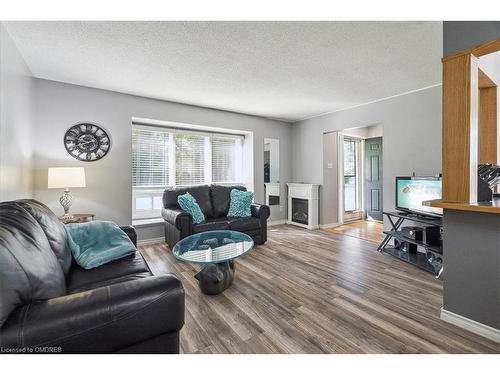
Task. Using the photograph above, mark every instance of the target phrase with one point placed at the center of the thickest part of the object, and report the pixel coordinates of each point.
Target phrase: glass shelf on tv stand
(419, 218)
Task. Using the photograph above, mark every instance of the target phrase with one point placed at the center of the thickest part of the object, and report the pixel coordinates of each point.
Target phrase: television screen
(412, 191)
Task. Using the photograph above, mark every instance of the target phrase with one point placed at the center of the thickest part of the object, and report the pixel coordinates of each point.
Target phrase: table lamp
(65, 178)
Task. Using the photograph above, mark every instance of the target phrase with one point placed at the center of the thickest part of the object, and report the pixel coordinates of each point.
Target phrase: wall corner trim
(470, 325)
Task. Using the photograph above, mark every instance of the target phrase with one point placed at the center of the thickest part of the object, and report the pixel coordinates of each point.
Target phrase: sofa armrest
(131, 233)
(182, 220)
(101, 320)
(261, 211)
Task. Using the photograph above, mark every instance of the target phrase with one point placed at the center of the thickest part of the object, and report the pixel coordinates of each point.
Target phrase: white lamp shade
(72, 177)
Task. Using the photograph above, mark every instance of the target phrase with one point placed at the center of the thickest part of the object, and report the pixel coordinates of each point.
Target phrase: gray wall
(16, 115)
(471, 240)
(460, 35)
(109, 181)
(471, 266)
(330, 191)
(411, 142)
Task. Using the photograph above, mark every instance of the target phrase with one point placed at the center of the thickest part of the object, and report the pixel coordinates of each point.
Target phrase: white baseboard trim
(471, 325)
(329, 225)
(309, 227)
(147, 222)
(276, 222)
(149, 241)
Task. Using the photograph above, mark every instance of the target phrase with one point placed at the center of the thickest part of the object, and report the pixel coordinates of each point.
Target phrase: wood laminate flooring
(364, 229)
(316, 292)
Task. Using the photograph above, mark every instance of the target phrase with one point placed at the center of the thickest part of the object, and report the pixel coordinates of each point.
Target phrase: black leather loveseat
(214, 203)
(51, 305)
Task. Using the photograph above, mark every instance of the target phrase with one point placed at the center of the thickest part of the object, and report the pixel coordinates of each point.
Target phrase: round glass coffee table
(216, 251)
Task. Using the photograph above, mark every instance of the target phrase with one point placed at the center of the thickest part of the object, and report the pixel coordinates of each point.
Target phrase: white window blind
(190, 155)
(167, 157)
(226, 158)
(150, 157)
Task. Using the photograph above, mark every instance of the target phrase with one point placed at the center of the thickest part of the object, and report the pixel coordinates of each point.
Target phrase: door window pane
(349, 158)
(350, 175)
(350, 193)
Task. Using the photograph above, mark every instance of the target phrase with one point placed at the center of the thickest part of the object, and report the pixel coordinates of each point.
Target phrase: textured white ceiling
(284, 70)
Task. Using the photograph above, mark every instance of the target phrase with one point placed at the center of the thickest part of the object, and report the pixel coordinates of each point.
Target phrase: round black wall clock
(87, 142)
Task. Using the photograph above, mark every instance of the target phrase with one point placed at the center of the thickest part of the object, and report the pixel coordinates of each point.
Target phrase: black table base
(215, 278)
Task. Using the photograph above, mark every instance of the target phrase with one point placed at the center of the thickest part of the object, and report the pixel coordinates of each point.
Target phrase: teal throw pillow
(241, 202)
(96, 243)
(189, 204)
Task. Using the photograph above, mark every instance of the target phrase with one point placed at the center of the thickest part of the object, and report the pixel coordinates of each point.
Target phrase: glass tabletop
(216, 246)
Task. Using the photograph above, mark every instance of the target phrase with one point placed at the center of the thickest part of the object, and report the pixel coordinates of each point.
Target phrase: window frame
(153, 191)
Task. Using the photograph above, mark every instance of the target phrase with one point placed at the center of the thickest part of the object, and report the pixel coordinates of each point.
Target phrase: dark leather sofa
(51, 305)
(214, 203)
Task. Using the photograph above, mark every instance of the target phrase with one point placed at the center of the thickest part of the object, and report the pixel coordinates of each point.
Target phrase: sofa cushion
(53, 228)
(200, 193)
(244, 224)
(240, 204)
(188, 203)
(221, 196)
(98, 242)
(82, 279)
(211, 224)
(29, 268)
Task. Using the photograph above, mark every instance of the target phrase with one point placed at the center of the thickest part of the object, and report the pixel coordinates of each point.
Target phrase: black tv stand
(412, 215)
(419, 259)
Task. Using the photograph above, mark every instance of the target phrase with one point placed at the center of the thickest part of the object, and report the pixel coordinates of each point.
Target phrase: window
(190, 159)
(163, 157)
(352, 179)
(150, 150)
(226, 158)
(350, 172)
(351, 175)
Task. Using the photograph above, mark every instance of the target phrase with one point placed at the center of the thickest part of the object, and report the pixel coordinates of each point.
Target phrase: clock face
(87, 142)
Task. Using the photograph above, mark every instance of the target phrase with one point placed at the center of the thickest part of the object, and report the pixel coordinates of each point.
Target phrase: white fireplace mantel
(304, 193)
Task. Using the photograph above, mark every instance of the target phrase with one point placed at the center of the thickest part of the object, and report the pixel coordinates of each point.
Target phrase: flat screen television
(412, 191)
